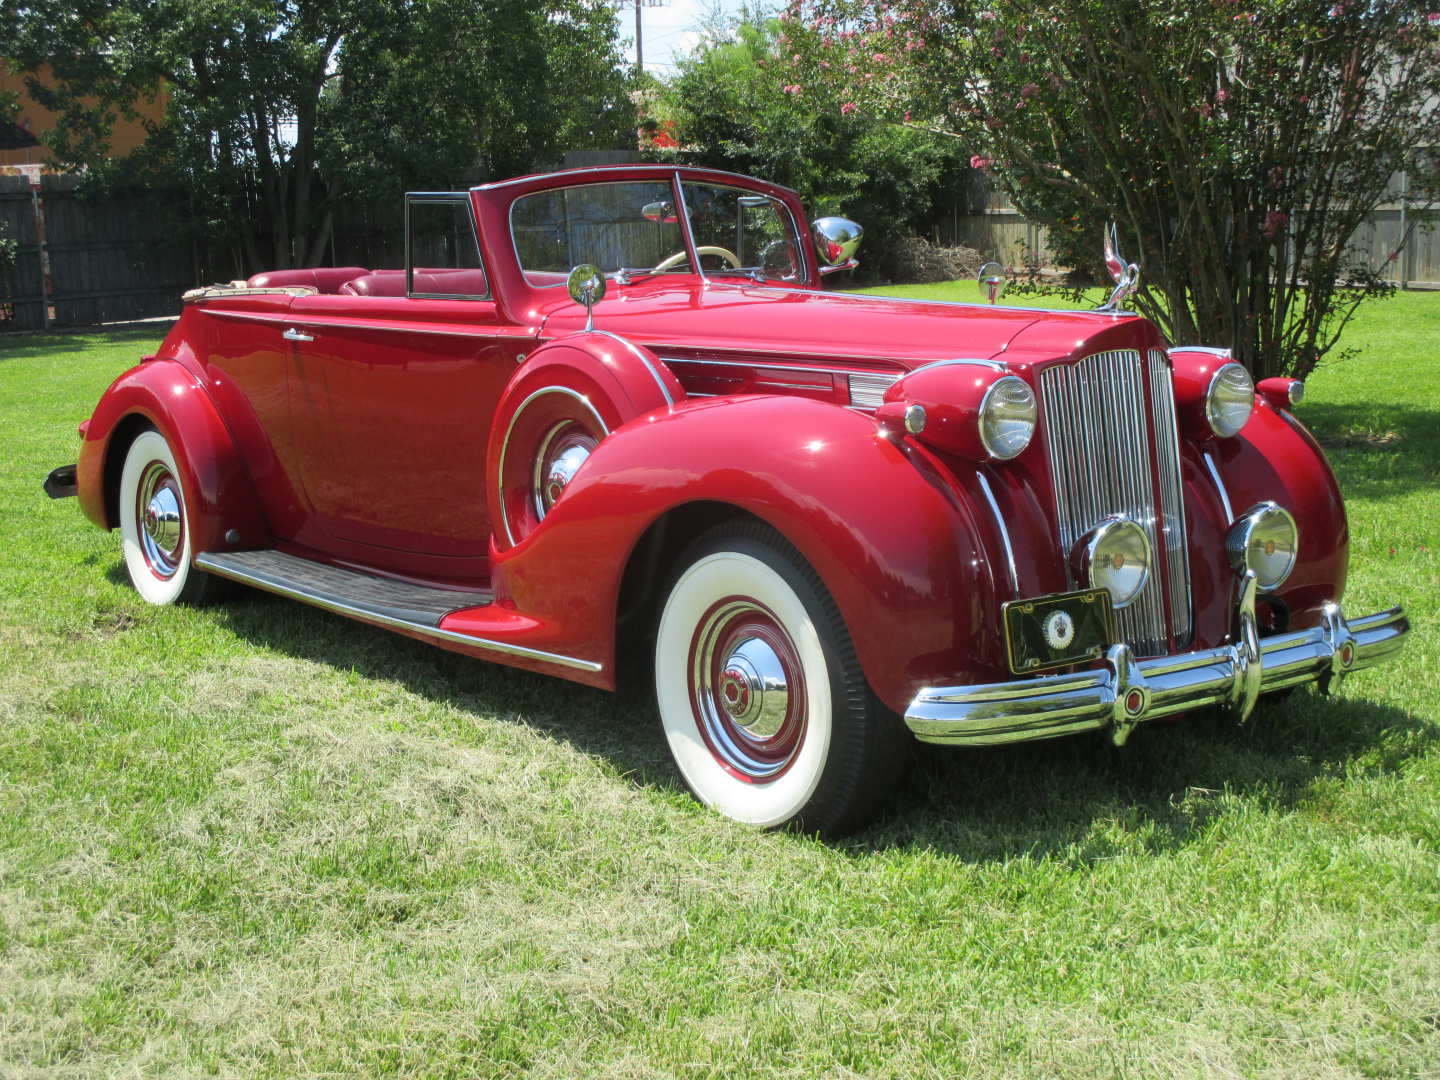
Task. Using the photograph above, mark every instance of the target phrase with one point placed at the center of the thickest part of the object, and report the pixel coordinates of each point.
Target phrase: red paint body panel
(367, 431)
(167, 397)
(896, 544)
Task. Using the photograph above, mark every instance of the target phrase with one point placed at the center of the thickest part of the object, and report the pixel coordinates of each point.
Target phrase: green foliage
(276, 110)
(495, 90)
(262, 840)
(735, 107)
(1240, 144)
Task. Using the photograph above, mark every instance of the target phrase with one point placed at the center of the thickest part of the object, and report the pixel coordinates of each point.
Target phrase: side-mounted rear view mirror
(836, 239)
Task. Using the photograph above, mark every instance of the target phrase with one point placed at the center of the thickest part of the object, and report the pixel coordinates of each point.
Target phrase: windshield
(634, 227)
(739, 231)
(624, 226)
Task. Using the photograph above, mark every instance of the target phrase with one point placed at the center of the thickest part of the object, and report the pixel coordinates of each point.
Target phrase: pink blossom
(792, 88)
(1433, 18)
(1221, 95)
(847, 108)
(987, 15)
(1275, 222)
(907, 116)
(795, 59)
(1029, 90)
(977, 161)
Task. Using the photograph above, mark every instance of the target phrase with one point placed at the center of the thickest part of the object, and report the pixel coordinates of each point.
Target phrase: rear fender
(165, 395)
(892, 538)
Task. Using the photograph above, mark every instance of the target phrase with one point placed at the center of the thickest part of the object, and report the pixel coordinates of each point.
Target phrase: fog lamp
(1264, 540)
(1115, 555)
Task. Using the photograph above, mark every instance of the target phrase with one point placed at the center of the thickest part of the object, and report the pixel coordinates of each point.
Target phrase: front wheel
(767, 713)
(155, 530)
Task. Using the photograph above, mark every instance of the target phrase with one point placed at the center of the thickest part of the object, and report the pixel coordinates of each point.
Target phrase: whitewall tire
(764, 706)
(155, 525)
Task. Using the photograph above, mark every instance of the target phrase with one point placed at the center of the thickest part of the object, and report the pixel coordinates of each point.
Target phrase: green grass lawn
(262, 841)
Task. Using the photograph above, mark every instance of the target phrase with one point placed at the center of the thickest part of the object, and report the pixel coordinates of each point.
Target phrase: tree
(734, 106)
(276, 109)
(1240, 144)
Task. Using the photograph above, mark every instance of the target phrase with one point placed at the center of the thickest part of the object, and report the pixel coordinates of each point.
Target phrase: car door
(392, 397)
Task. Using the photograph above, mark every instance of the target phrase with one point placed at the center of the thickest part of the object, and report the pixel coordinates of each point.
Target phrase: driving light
(1264, 540)
(1115, 555)
(1229, 399)
(1007, 417)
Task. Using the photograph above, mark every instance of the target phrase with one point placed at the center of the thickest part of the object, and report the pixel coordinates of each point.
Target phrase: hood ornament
(1125, 275)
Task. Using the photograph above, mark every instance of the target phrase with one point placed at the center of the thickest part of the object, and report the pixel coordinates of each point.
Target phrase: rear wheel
(764, 705)
(155, 526)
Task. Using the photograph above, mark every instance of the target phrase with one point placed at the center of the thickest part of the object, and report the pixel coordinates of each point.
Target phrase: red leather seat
(392, 283)
(376, 283)
(325, 279)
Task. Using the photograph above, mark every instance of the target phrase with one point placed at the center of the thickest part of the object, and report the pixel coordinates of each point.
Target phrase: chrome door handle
(296, 335)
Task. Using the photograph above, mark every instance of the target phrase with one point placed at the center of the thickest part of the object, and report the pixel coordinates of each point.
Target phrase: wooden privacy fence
(102, 260)
(1005, 234)
(130, 256)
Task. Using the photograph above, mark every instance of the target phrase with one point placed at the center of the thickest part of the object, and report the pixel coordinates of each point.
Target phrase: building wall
(125, 135)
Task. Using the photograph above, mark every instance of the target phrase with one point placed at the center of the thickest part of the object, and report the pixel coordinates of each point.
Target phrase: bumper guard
(1127, 692)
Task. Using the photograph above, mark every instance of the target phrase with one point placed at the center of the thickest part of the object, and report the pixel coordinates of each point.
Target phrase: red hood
(727, 318)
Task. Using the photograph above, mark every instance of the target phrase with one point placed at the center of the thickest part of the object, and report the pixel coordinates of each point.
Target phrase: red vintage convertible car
(609, 409)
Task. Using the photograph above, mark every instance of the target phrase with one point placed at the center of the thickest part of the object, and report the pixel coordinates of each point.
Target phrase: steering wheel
(709, 249)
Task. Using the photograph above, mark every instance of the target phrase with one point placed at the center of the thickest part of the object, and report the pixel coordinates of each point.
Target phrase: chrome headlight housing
(1115, 555)
(1264, 539)
(1229, 399)
(1007, 417)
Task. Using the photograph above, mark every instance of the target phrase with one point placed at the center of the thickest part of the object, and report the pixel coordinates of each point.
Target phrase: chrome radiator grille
(1100, 450)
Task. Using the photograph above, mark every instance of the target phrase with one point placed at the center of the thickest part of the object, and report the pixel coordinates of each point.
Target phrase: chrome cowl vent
(1101, 449)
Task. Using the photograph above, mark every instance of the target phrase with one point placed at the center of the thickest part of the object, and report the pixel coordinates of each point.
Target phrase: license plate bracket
(1058, 630)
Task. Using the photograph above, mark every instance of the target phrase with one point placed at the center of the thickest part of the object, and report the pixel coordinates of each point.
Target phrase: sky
(669, 30)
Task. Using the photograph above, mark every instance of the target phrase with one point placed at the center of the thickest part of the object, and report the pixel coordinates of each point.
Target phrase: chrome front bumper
(1127, 692)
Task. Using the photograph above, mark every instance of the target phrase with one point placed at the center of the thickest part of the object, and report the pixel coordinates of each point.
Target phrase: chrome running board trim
(370, 598)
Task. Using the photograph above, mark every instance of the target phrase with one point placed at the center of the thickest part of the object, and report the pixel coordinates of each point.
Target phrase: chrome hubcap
(563, 451)
(747, 690)
(161, 519)
(753, 688)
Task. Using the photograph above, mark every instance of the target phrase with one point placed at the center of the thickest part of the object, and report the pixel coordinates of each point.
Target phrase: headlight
(1229, 399)
(1115, 555)
(1264, 540)
(1007, 417)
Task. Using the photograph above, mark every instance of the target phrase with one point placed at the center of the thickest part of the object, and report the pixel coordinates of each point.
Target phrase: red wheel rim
(747, 690)
(160, 520)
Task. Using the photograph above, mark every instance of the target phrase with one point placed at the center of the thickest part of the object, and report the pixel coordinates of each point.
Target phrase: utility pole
(639, 35)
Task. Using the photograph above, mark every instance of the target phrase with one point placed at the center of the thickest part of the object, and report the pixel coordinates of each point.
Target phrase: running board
(398, 605)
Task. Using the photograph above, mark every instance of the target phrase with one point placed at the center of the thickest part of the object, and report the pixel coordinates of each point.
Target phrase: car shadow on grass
(1378, 451)
(1075, 799)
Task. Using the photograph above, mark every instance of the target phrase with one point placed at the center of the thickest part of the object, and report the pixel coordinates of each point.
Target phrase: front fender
(165, 395)
(892, 538)
(1275, 457)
